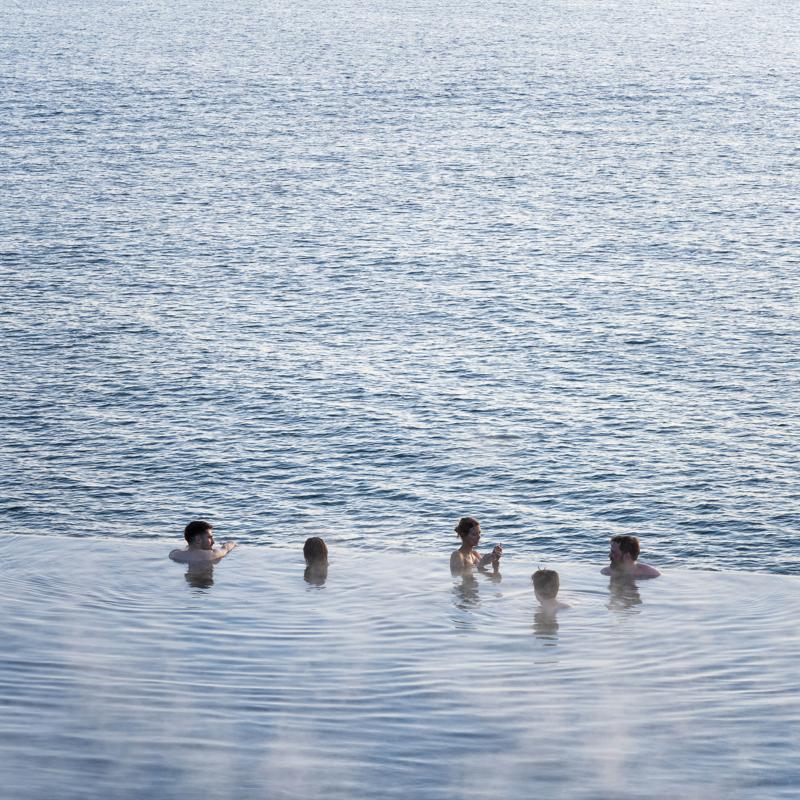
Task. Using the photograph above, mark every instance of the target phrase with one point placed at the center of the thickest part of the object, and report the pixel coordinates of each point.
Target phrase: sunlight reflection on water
(305, 266)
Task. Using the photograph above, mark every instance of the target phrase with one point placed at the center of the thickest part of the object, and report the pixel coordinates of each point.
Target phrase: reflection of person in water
(623, 593)
(315, 552)
(467, 591)
(545, 586)
(469, 529)
(545, 625)
(200, 576)
(494, 576)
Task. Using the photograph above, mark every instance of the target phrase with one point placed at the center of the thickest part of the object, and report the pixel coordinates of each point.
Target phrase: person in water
(545, 587)
(200, 545)
(624, 553)
(469, 529)
(315, 552)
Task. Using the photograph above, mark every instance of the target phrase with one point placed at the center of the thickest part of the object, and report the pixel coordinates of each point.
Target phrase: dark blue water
(358, 271)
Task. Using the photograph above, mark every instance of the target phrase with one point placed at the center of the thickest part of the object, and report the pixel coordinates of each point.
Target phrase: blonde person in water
(545, 587)
(469, 529)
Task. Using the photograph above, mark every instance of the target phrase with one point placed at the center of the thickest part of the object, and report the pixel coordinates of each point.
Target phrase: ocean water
(123, 676)
(357, 270)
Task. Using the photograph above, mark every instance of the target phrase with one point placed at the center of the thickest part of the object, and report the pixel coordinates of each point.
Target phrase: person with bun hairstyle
(469, 529)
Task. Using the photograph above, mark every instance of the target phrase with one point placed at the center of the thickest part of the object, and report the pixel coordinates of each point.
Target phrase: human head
(315, 551)
(545, 583)
(626, 545)
(466, 525)
(196, 528)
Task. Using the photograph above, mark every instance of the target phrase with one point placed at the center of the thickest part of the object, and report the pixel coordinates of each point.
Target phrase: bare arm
(202, 556)
(221, 552)
(493, 557)
(456, 562)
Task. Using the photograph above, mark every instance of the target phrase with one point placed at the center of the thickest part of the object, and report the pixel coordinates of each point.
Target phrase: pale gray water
(119, 678)
(359, 269)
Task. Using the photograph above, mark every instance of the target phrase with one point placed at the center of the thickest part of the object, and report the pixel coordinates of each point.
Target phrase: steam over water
(355, 270)
(122, 676)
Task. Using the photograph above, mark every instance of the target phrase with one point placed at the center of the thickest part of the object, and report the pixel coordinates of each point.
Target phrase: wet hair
(545, 583)
(465, 525)
(315, 551)
(628, 545)
(316, 574)
(196, 528)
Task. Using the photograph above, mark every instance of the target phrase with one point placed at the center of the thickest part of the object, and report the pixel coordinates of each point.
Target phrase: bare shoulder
(646, 571)
(456, 561)
(195, 556)
(605, 571)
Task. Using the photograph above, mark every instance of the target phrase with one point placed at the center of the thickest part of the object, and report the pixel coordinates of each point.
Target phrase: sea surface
(126, 676)
(358, 269)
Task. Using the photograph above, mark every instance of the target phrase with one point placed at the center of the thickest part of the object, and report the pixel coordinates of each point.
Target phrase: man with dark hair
(200, 545)
(624, 553)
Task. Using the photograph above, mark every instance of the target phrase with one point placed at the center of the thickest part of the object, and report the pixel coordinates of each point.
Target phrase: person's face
(204, 541)
(615, 554)
(474, 536)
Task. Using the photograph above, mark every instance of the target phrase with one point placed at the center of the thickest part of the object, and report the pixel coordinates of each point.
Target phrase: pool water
(125, 675)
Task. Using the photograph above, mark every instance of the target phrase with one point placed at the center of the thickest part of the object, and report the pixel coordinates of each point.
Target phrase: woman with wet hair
(315, 552)
(469, 529)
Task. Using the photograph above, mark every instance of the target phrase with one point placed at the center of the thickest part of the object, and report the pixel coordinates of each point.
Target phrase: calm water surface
(358, 270)
(123, 677)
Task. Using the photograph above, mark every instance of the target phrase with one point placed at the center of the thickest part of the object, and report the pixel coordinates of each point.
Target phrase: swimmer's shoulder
(459, 562)
(195, 556)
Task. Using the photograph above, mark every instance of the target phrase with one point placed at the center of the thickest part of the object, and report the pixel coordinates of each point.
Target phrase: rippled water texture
(359, 269)
(123, 677)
